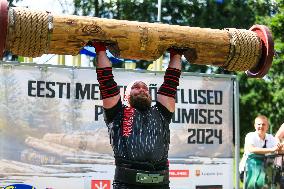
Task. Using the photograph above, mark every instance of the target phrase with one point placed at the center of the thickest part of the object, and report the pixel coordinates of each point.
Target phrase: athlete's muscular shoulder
(164, 111)
(111, 113)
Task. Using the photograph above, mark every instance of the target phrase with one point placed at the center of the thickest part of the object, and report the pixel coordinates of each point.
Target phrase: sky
(54, 6)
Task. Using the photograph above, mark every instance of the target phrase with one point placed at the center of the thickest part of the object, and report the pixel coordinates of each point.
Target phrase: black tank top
(141, 136)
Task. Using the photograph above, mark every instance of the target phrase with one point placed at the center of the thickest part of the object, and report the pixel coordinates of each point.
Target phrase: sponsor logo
(179, 173)
(127, 122)
(209, 187)
(100, 184)
(198, 173)
(19, 186)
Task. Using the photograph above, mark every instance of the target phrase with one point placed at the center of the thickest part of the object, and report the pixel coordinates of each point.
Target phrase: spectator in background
(279, 159)
(257, 144)
(280, 134)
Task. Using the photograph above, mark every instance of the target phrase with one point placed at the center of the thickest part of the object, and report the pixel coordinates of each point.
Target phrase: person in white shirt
(258, 142)
(280, 134)
(279, 160)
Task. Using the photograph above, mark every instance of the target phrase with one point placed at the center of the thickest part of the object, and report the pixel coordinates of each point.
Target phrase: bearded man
(139, 133)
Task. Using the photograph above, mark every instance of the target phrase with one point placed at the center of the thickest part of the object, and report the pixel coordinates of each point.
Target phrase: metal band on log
(33, 33)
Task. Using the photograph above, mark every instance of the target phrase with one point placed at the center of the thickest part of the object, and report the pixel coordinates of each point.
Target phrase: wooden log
(32, 33)
(18, 168)
(36, 158)
(137, 40)
(83, 141)
(56, 149)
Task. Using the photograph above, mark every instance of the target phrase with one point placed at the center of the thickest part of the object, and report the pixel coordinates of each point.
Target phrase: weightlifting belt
(141, 177)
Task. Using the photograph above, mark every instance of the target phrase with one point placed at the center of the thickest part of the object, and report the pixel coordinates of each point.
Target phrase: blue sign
(89, 51)
(19, 186)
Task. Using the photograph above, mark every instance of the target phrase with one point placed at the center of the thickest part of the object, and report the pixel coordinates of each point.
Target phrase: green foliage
(277, 21)
(208, 13)
(275, 75)
(120, 9)
(226, 14)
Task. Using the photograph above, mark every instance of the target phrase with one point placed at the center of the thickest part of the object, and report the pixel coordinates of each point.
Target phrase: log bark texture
(56, 149)
(97, 141)
(33, 33)
(138, 40)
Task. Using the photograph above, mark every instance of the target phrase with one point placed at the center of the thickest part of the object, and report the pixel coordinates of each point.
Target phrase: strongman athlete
(139, 133)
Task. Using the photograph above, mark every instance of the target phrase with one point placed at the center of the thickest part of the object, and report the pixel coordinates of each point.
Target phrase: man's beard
(141, 102)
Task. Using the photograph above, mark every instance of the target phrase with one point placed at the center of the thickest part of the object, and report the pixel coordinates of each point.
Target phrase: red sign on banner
(100, 184)
(179, 173)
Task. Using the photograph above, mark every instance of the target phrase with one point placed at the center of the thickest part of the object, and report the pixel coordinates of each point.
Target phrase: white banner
(51, 116)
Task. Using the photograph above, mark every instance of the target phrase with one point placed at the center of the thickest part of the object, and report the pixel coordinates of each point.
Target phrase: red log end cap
(3, 25)
(267, 53)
